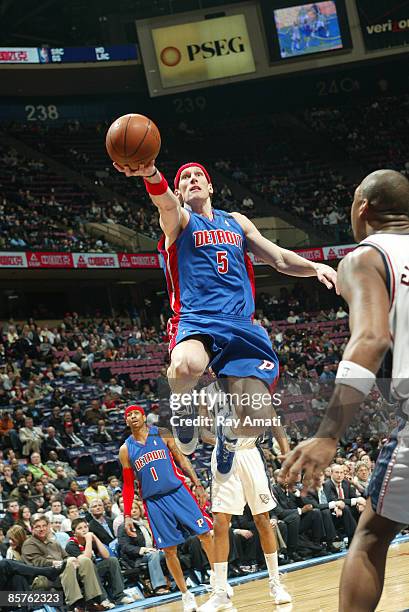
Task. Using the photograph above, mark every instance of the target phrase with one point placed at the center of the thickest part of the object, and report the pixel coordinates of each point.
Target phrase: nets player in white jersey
(374, 280)
(245, 483)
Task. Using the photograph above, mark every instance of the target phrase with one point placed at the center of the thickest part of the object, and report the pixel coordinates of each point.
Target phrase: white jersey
(394, 249)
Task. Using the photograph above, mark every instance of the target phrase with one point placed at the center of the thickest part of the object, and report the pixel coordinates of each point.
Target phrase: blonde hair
(17, 532)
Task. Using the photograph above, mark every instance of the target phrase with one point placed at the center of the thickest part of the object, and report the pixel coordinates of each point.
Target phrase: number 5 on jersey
(222, 262)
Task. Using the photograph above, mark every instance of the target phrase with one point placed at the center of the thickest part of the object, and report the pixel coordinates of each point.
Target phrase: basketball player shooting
(374, 280)
(211, 288)
(150, 454)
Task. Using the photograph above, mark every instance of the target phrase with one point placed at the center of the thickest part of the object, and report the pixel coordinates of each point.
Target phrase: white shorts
(246, 483)
(389, 485)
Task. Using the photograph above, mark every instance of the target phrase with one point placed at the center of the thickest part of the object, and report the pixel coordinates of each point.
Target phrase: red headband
(189, 165)
(129, 409)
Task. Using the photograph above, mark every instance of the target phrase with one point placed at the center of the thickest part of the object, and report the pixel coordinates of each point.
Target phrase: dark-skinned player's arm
(128, 489)
(362, 281)
(184, 464)
(280, 435)
(284, 261)
(173, 218)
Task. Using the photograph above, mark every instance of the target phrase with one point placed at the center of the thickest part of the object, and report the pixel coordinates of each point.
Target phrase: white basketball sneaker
(217, 602)
(229, 588)
(278, 592)
(189, 602)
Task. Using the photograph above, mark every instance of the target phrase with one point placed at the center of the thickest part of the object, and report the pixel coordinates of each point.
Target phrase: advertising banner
(37, 260)
(132, 260)
(9, 259)
(337, 252)
(49, 260)
(19, 55)
(203, 50)
(95, 260)
(65, 55)
(384, 23)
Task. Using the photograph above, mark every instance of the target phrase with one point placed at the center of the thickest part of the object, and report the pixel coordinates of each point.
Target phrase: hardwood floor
(315, 589)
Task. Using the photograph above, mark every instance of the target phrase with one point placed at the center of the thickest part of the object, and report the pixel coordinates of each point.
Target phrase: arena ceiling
(83, 22)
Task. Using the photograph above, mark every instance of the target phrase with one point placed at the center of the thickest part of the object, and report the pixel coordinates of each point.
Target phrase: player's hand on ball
(327, 276)
(129, 527)
(140, 170)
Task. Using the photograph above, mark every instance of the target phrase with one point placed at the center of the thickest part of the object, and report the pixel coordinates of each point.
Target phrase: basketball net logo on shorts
(264, 498)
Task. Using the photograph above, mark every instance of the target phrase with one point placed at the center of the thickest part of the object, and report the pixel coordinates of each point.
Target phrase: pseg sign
(203, 50)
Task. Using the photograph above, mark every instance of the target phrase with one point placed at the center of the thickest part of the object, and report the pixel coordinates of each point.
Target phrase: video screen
(308, 28)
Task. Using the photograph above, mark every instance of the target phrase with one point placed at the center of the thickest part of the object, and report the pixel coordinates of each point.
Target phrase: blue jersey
(208, 270)
(153, 465)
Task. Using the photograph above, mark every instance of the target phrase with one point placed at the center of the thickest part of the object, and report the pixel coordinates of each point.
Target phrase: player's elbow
(282, 266)
(371, 344)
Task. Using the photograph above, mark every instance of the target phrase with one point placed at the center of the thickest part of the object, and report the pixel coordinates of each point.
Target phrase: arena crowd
(62, 394)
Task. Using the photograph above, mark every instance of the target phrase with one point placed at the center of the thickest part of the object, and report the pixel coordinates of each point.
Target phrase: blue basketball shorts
(174, 517)
(238, 346)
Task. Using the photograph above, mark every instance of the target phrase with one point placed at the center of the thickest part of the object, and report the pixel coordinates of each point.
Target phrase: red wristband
(157, 189)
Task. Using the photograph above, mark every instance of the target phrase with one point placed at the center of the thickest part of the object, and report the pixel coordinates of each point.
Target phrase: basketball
(133, 140)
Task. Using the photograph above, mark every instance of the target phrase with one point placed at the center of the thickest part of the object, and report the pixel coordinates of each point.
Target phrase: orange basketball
(133, 140)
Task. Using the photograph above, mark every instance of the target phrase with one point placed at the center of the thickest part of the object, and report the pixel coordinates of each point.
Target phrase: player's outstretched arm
(283, 260)
(184, 463)
(362, 281)
(128, 489)
(363, 285)
(173, 217)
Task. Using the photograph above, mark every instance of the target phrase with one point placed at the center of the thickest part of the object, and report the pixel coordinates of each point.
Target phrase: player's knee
(262, 521)
(221, 525)
(185, 366)
(171, 552)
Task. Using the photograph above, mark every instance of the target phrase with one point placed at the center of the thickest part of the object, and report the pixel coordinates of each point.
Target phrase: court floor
(315, 589)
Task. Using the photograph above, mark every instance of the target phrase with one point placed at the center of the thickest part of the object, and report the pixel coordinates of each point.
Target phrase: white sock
(272, 565)
(220, 572)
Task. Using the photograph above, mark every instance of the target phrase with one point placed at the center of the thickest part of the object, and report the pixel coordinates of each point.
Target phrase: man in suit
(53, 442)
(298, 516)
(99, 523)
(332, 513)
(338, 488)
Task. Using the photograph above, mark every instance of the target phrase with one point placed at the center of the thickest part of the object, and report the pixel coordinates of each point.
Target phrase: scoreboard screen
(296, 29)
